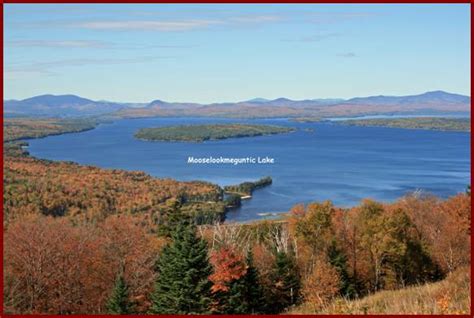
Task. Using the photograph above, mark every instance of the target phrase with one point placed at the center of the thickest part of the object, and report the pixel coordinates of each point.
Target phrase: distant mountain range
(59, 105)
(298, 103)
(71, 105)
(434, 97)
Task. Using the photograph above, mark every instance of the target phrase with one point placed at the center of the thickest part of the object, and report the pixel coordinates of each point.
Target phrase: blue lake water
(334, 162)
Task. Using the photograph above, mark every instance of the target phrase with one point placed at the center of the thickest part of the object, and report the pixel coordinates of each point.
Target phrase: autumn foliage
(228, 266)
(88, 193)
(321, 285)
(54, 266)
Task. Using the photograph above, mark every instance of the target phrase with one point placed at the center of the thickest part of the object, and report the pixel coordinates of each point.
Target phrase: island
(431, 123)
(200, 133)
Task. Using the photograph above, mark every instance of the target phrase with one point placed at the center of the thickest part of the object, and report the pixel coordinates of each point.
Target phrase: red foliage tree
(228, 266)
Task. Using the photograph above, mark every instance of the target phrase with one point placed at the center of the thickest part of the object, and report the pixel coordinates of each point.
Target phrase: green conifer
(286, 283)
(182, 286)
(339, 260)
(245, 295)
(119, 303)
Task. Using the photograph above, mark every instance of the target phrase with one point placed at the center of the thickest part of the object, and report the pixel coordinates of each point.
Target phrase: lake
(320, 161)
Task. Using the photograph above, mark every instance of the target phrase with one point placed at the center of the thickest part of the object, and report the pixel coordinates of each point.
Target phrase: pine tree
(253, 292)
(170, 216)
(339, 260)
(245, 295)
(118, 303)
(286, 283)
(183, 286)
(230, 301)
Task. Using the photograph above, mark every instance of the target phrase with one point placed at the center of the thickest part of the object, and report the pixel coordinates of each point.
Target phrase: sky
(226, 53)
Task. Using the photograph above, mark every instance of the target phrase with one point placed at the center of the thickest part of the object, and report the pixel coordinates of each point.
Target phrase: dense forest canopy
(198, 133)
(23, 128)
(432, 123)
(15, 130)
(34, 186)
(318, 256)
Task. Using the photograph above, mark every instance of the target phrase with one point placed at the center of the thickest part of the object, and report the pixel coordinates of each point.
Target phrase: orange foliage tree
(228, 266)
(53, 266)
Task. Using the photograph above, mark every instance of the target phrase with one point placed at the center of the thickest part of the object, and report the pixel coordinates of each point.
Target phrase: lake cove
(318, 161)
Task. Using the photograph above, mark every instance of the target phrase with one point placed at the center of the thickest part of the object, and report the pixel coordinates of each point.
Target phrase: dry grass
(450, 296)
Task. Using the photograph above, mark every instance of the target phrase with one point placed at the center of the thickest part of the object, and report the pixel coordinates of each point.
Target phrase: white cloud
(256, 19)
(58, 44)
(72, 44)
(165, 26)
(175, 25)
(333, 17)
(20, 71)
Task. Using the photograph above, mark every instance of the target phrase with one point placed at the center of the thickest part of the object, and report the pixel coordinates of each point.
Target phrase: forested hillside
(317, 256)
(16, 129)
(40, 187)
(85, 240)
(20, 128)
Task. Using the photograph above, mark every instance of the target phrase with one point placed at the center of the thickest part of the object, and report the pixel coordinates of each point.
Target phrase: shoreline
(255, 215)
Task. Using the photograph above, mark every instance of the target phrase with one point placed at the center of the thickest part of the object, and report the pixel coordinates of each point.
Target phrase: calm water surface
(340, 163)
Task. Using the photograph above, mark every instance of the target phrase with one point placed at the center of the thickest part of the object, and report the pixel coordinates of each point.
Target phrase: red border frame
(226, 2)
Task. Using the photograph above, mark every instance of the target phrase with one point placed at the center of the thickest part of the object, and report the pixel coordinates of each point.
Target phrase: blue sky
(219, 53)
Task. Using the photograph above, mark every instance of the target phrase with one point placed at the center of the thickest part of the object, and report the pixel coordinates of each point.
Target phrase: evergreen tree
(245, 295)
(286, 283)
(253, 290)
(170, 216)
(338, 259)
(183, 286)
(118, 303)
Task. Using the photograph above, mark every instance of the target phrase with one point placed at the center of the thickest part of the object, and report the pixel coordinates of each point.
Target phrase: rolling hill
(59, 106)
(435, 102)
(427, 98)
